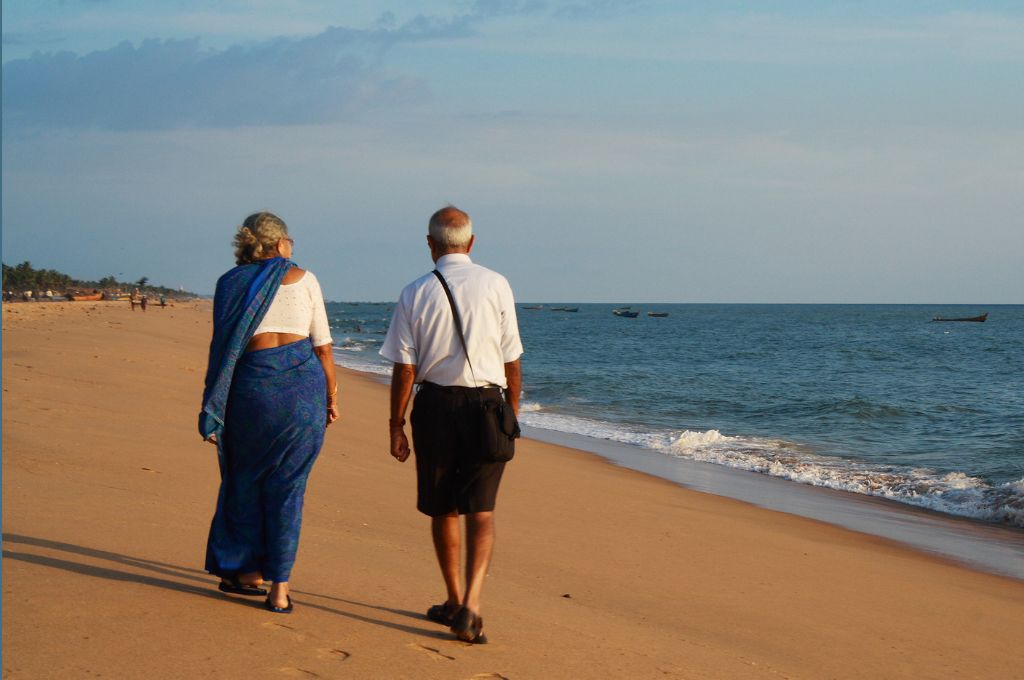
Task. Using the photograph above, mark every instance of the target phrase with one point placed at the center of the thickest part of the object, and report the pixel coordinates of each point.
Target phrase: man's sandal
(443, 613)
(469, 627)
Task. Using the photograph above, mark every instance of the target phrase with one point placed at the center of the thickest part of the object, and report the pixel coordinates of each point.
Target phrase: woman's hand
(212, 439)
(332, 411)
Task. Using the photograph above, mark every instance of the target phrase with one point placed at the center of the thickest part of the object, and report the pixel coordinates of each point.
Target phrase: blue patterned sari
(268, 409)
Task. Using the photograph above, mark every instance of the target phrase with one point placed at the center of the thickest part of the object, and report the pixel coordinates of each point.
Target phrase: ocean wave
(367, 363)
(952, 493)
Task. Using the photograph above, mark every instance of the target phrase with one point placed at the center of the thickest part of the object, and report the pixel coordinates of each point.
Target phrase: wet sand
(599, 572)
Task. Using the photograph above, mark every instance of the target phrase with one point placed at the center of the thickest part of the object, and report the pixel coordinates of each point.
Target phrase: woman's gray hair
(258, 237)
(451, 229)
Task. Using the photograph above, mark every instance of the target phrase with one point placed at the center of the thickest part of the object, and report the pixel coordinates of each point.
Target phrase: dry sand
(599, 572)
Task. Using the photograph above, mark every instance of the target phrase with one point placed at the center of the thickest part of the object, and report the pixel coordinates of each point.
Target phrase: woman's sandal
(271, 607)
(469, 627)
(235, 587)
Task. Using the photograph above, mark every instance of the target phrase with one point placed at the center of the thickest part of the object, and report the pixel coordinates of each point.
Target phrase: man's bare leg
(479, 547)
(445, 531)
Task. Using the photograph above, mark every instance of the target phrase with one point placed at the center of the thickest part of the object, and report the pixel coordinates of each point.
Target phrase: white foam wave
(364, 363)
(953, 493)
(589, 428)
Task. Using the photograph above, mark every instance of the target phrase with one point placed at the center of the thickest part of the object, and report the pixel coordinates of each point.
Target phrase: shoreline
(991, 547)
(599, 571)
(994, 548)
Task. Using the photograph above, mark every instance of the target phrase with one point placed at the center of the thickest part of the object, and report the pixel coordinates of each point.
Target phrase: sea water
(876, 400)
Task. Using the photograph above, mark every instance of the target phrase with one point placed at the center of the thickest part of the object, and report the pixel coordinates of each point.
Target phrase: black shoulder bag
(499, 428)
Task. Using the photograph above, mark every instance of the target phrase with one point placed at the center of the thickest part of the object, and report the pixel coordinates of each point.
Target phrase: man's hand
(514, 378)
(402, 378)
(399, 444)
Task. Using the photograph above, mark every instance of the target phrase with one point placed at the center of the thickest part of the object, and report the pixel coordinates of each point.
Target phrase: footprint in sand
(435, 654)
(284, 627)
(488, 676)
(329, 653)
(299, 672)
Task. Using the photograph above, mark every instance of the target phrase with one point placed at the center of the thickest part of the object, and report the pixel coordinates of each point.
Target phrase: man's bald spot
(449, 217)
(451, 230)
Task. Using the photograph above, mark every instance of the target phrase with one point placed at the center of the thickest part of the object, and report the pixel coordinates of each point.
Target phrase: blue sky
(608, 150)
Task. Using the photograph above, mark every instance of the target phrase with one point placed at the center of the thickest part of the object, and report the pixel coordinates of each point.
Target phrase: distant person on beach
(270, 393)
(163, 300)
(134, 298)
(455, 475)
(142, 301)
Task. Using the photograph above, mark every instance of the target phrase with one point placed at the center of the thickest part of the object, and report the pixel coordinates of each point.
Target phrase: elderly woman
(270, 394)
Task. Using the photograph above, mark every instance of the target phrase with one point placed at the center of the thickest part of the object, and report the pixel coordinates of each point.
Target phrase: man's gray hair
(451, 229)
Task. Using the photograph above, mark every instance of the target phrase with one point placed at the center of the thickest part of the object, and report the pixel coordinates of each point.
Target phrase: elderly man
(453, 476)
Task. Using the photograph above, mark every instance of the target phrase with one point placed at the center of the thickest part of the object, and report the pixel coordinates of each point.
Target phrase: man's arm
(403, 376)
(514, 377)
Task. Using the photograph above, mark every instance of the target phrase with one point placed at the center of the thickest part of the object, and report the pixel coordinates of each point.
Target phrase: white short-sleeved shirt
(298, 308)
(423, 333)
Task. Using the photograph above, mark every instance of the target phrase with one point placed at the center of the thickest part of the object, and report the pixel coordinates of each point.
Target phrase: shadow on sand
(171, 576)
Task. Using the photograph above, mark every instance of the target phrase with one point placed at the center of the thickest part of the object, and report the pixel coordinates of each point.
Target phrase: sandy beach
(599, 572)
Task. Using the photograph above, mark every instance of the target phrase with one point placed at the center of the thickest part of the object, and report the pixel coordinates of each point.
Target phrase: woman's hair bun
(258, 236)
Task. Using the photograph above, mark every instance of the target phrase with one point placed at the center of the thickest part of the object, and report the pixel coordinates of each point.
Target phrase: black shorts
(446, 438)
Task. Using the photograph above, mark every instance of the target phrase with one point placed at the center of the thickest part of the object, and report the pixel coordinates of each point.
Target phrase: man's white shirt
(423, 332)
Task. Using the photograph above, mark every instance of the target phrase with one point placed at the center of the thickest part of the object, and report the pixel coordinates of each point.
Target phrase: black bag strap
(458, 322)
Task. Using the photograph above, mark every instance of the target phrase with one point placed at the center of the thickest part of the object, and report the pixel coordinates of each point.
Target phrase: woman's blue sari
(268, 409)
(241, 300)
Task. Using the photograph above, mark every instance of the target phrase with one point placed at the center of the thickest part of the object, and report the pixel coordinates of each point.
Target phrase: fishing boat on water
(658, 315)
(979, 319)
(625, 313)
(565, 309)
(532, 307)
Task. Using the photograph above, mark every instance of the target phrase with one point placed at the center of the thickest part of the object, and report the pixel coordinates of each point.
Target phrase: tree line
(24, 277)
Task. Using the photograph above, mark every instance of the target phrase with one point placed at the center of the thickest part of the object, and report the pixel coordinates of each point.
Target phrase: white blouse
(298, 308)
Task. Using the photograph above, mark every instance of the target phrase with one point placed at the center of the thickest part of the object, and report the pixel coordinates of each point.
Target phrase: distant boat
(625, 313)
(658, 315)
(565, 309)
(533, 307)
(93, 297)
(979, 319)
